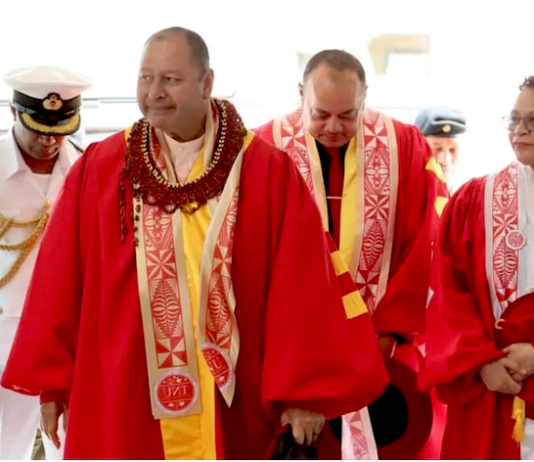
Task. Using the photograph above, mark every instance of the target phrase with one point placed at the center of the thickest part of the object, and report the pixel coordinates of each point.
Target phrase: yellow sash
(369, 198)
(183, 355)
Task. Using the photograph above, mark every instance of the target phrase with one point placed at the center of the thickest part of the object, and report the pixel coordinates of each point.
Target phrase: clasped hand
(506, 374)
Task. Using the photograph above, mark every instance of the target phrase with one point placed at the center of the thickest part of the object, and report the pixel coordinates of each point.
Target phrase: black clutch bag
(284, 447)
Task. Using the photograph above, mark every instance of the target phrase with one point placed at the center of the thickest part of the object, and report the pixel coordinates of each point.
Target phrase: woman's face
(521, 127)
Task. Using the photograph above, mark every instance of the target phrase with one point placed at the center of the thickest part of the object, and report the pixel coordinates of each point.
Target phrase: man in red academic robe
(185, 304)
(380, 193)
(481, 317)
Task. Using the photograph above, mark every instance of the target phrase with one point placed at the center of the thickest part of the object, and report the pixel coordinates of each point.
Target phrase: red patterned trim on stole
(219, 320)
(294, 143)
(356, 447)
(377, 188)
(162, 274)
(504, 225)
(377, 206)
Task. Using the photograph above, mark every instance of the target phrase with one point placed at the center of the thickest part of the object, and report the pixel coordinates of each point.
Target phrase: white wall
(479, 53)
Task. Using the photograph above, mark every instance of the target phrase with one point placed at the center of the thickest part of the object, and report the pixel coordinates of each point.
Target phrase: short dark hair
(337, 59)
(527, 83)
(197, 45)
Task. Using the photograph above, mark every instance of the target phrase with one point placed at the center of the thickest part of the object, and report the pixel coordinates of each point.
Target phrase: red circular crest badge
(176, 393)
(516, 240)
(219, 364)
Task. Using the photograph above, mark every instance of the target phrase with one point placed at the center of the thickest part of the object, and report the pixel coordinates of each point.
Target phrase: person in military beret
(35, 156)
(441, 126)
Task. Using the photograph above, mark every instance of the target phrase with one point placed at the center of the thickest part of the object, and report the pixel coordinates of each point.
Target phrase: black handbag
(284, 447)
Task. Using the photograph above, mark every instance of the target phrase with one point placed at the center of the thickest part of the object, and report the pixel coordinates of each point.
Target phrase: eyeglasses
(513, 121)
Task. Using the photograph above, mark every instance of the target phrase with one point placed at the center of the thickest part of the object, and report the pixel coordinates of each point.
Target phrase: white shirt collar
(15, 162)
(193, 146)
(184, 155)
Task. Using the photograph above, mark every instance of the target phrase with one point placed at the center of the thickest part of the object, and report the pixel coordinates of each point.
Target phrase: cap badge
(52, 102)
(446, 128)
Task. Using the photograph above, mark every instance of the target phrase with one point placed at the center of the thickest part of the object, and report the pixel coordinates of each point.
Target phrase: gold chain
(25, 246)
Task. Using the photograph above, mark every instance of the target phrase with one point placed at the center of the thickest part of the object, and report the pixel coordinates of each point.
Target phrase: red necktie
(335, 191)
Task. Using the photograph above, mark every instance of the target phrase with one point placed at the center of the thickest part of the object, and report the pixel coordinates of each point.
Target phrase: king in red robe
(182, 320)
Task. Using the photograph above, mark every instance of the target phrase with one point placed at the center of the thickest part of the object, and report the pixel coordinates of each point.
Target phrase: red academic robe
(402, 310)
(461, 337)
(81, 329)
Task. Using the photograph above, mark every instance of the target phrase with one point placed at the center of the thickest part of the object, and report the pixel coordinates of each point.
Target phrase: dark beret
(440, 121)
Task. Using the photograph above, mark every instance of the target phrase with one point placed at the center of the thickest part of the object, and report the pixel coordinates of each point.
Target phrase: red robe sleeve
(421, 194)
(315, 364)
(265, 132)
(42, 357)
(458, 343)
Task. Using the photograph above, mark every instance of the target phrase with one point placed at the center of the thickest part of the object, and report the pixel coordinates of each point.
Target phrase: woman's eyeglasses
(512, 122)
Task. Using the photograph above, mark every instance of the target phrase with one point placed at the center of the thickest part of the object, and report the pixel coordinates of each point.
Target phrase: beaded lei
(151, 187)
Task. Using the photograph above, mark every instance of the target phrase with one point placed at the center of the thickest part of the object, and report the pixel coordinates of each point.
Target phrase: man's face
(39, 147)
(332, 102)
(171, 90)
(446, 152)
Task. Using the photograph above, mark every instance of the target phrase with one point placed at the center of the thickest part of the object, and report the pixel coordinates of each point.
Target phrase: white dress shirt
(184, 155)
(23, 195)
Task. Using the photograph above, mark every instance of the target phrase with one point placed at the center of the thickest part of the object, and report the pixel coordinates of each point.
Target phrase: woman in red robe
(481, 317)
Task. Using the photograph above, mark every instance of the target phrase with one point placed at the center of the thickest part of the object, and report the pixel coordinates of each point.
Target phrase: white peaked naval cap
(48, 99)
(39, 82)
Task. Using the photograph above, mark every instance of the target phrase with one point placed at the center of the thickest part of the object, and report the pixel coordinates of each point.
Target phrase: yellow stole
(369, 194)
(193, 436)
(176, 255)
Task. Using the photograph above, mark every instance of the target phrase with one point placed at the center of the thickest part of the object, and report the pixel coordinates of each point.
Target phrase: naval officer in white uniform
(35, 157)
